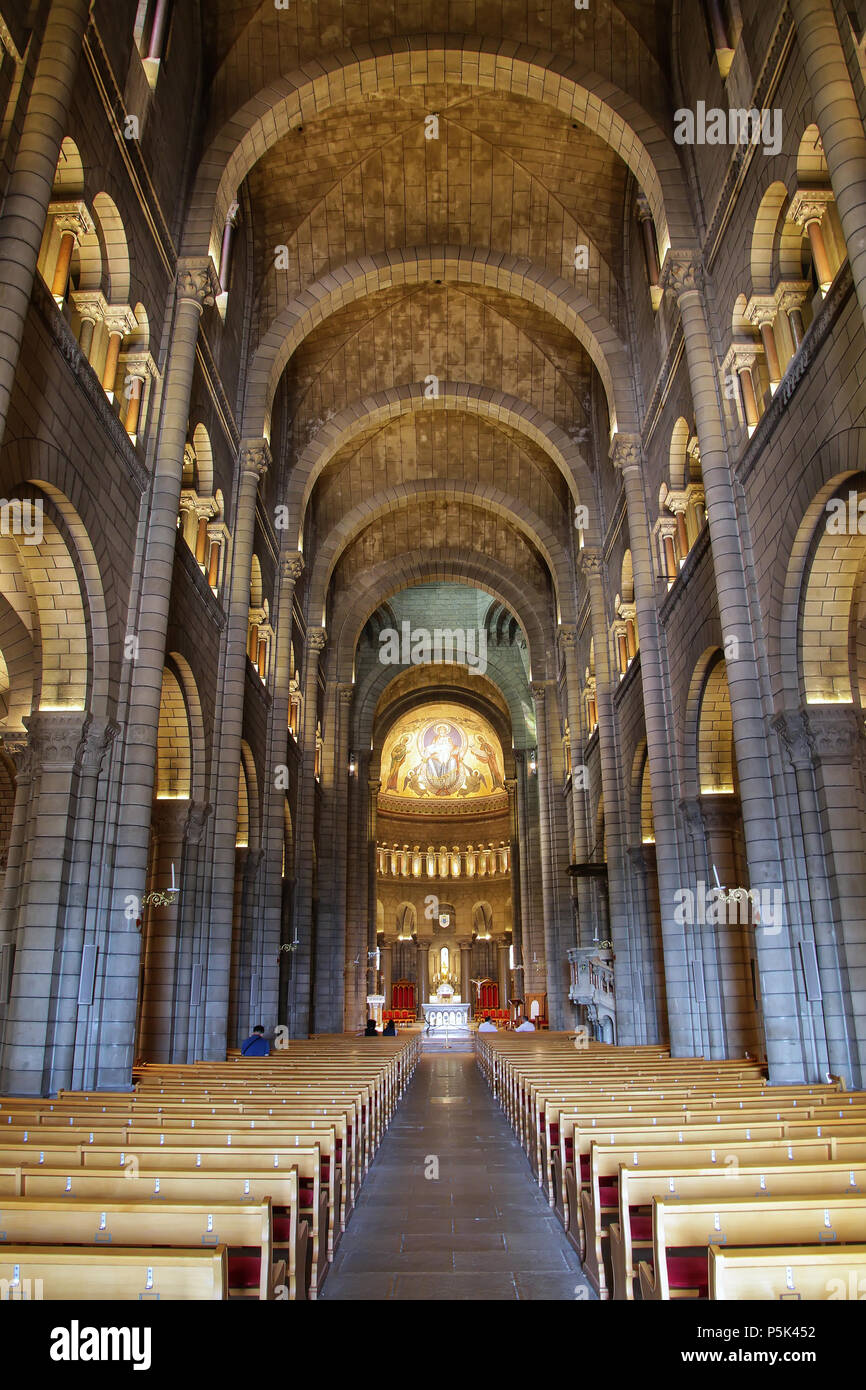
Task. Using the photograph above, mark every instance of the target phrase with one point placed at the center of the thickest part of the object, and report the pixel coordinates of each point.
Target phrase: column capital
(17, 748)
(89, 304)
(682, 272)
(693, 819)
(140, 365)
(73, 216)
(346, 693)
(292, 566)
(791, 294)
(199, 812)
(741, 357)
(794, 734)
(55, 738)
(316, 639)
(642, 208)
(96, 739)
(761, 310)
(197, 280)
(590, 562)
(568, 637)
(836, 733)
(511, 785)
(809, 205)
(119, 319)
(170, 816)
(538, 690)
(255, 458)
(625, 452)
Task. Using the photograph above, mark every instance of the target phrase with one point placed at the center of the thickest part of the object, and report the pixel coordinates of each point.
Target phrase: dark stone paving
(480, 1230)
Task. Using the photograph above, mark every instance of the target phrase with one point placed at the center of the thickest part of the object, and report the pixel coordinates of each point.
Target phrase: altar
(441, 1015)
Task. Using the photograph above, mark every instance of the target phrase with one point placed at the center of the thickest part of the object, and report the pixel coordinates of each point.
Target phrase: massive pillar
(328, 1003)
(786, 1052)
(839, 121)
(305, 840)
(29, 193)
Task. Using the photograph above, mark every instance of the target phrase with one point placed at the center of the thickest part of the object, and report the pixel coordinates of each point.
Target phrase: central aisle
(482, 1229)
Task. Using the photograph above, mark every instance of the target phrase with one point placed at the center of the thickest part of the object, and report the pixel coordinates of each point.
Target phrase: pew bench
(246, 1230)
(787, 1272)
(91, 1273)
(682, 1233)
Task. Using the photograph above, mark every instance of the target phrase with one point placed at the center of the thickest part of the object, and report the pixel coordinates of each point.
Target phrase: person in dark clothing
(256, 1044)
(370, 1031)
(390, 1029)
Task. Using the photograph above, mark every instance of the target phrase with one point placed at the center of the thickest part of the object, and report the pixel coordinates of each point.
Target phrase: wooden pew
(787, 1272)
(632, 1232)
(246, 1230)
(600, 1198)
(101, 1187)
(760, 1221)
(86, 1273)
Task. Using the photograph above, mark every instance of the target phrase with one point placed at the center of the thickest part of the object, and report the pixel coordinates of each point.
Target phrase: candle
(716, 876)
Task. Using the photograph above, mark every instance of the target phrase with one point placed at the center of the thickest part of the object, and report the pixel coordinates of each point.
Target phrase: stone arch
(769, 222)
(405, 919)
(203, 461)
(16, 653)
(691, 722)
(330, 547)
(715, 732)
(387, 405)
(627, 578)
(451, 264)
(173, 780)
(678, 470)
(255, 583)
(830, 654)
(115, 249)
(462, 567)
(195, 718)
(811, 160)
(251, 784)
(820, 476)
(585, 97)
(69, 174)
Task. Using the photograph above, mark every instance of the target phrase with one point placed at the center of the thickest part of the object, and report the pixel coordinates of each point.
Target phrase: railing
(481, 861)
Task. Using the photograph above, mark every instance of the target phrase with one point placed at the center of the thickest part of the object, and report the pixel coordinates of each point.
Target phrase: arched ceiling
(416, 204)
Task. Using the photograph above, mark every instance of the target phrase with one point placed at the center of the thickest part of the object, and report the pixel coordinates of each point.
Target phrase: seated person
(527, 1026)
(256, 1044)
(370, 1031)
(487, 1026)
(390, 1029)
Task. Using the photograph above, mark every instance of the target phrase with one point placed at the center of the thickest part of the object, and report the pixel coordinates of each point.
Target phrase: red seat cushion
(608, 1191)
(554, 1134)
(244, 1271)
(641, 1226)
(283, 1229)
(584, 1167)
(569, 1150)
(339, 1150)
(305, 1196)
(689, 1272)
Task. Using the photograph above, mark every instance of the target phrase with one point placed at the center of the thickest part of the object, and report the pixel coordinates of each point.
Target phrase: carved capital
(292, 567)
(809, 205)
(347, 693)
(197, 280)
(55, 738)
(590, 562)
(642, 208)
(196, 821)
(795, 736)
(97, 738)
(72, 217)
(316, 639)
(568, 639)
(682, 272)
(761, 310)
(538, 691)
(836, 733)
(693, 820)
(120, 319)
(625, 452)
(255, 458)
(170, 818)
(17, 748)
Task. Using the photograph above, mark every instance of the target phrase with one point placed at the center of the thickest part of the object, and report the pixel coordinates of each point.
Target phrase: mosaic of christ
(442, 752)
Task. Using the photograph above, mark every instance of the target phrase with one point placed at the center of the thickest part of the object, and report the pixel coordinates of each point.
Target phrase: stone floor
(480, 1230)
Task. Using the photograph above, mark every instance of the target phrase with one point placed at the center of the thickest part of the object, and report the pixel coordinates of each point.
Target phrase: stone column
(160, 933)
(628, 996)
(253, 461)
(373, 786)
(626, 457)
(733, 941)
(276, 785)
(514, 862)
(29, 192)
(117, 989)
(832, 1045)
(42, 876)
(333, 837)
(467, 992)
(503, 976)
(556, 990)
(582, 839)
(387, 973)
(839, 121)
(784, 1033)
(839, 754)
(357, 891)
(423, 975)
(305, 838)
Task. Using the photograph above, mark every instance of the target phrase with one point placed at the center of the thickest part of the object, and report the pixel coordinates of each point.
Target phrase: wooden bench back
(89, 1273)
(786, 1272)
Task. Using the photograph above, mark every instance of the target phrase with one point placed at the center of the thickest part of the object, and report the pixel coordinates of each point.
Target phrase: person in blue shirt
(256, 1044)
